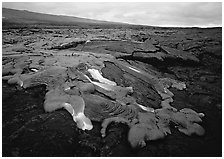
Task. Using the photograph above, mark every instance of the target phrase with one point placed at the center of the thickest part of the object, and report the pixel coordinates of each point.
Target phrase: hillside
(12, 17)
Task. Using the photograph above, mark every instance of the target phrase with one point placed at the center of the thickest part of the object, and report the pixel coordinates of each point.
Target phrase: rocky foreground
(112, 92)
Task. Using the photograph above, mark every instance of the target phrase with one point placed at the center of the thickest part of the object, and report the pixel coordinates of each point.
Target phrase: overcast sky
(148, 13)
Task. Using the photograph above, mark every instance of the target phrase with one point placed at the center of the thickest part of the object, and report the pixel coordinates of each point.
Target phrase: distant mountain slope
(27, 17)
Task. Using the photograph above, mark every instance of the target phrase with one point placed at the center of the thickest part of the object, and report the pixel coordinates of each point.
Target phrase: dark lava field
(131, 92)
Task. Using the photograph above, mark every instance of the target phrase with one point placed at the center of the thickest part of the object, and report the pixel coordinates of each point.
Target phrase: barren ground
(193, 56)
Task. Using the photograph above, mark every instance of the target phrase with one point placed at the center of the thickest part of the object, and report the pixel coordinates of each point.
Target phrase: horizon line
(128, 23)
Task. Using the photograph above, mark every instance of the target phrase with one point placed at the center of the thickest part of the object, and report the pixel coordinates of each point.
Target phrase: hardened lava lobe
(140, 92)
(70, 87)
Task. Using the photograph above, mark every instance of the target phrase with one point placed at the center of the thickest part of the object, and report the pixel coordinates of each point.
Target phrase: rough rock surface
(69, 92)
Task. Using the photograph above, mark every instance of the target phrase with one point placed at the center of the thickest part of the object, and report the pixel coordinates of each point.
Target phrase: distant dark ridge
(25, 19)
(28, 16)
(22, 19)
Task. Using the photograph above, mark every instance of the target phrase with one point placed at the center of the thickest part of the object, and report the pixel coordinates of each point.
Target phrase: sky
(200, 14)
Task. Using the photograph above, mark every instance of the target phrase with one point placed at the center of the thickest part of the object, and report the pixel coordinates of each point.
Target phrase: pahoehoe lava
(110, 91)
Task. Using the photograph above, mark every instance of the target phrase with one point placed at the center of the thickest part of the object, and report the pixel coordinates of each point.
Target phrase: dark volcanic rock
(148, 46)
(46, 131)
(179, 54)
(68, 45)
(113, 73)
(143, 92)
(192, 56)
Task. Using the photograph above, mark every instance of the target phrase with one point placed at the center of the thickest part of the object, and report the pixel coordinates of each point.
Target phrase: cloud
(148, 13)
